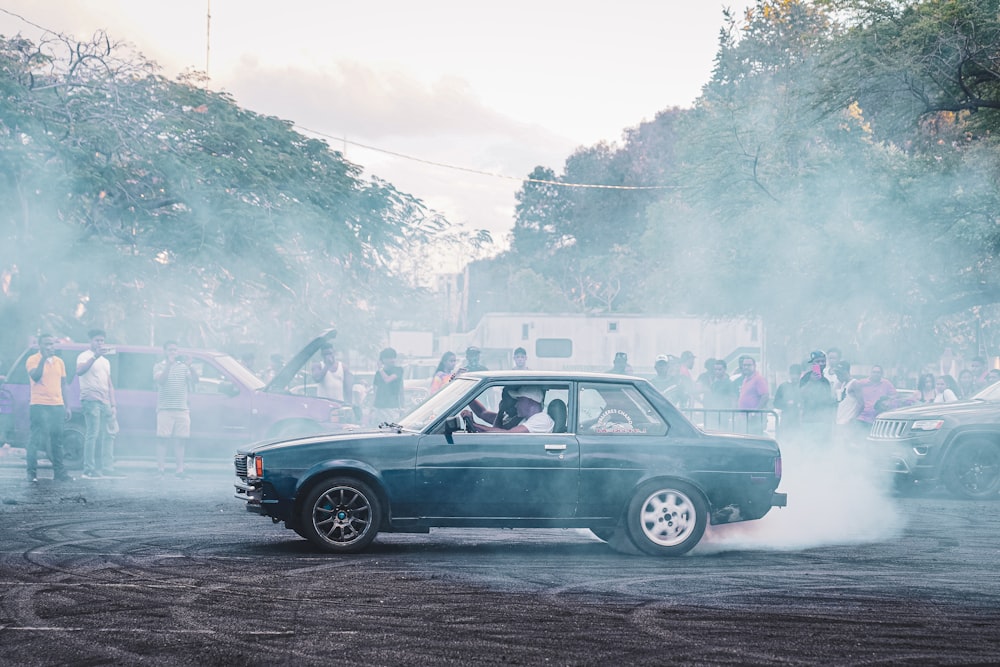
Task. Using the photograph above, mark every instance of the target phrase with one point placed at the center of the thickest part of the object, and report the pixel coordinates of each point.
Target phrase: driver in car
(528, 402)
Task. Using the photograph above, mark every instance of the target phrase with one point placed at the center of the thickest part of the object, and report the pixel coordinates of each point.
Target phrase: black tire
(604, 533)
(72, 442)
(666, 517)
(341, 515)
(972, 470)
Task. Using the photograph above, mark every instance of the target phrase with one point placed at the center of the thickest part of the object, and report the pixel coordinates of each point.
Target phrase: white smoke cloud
(835, 497)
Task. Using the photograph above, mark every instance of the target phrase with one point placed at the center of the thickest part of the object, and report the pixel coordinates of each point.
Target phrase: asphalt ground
(163, 572)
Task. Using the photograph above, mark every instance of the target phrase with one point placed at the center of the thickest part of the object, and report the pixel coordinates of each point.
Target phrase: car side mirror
(452, 424)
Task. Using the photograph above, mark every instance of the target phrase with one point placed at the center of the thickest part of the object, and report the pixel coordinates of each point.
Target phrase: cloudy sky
(497, 87)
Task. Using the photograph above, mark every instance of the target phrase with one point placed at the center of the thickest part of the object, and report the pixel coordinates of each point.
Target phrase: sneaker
(91, 475)
(181, 475)
(65, 478)
(32, 479)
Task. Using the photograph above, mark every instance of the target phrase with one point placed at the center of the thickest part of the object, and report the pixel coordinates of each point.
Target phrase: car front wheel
(972, 470)
(341, 515)
(667, 518)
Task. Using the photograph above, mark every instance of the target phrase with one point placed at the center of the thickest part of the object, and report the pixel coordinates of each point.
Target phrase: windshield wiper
(395, 427)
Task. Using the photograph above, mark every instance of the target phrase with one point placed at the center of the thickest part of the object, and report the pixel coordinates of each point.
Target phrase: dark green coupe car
(518, 449)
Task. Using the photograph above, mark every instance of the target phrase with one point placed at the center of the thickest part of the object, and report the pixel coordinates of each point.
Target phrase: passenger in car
(529, 409)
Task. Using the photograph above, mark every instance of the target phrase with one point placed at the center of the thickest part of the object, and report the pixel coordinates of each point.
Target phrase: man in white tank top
(331, 376)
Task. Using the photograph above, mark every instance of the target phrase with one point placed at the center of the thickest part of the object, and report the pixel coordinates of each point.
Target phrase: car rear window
(617, 409)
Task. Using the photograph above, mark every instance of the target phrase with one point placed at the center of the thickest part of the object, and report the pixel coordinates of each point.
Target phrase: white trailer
(590, 342)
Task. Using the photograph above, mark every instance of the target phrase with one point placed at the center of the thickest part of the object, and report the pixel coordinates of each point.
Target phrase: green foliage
(837, 177)
(155, 207)
(582, 240)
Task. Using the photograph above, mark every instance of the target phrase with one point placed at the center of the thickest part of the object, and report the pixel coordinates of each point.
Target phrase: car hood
(284, 377)
(325, 440)
(929, 410)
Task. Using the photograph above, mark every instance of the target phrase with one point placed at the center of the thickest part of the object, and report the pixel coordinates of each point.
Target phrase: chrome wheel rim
(342, 515)
(667, 517)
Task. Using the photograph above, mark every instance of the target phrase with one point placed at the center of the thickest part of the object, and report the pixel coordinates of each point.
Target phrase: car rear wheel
(972, 470)
(667, 518)
(341, 515)
(604, 532)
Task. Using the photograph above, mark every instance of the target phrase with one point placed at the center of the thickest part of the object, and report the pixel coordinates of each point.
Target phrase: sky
(403, 87)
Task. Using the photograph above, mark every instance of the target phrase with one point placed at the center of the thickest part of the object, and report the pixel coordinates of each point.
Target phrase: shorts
(173, 424)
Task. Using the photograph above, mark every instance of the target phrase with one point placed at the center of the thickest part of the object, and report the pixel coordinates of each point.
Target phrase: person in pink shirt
(754, 395)
(868, 391)
(754, 392)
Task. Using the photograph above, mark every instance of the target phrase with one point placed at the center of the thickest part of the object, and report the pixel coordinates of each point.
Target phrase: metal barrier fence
(743, 422)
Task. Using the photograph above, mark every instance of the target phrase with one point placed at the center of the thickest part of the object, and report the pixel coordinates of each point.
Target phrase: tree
(907, 62)
(134, 200)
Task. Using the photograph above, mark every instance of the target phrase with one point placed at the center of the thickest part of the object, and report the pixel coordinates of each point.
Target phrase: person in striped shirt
(175, 380)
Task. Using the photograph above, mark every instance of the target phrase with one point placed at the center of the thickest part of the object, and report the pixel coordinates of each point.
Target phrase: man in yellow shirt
(47, 410)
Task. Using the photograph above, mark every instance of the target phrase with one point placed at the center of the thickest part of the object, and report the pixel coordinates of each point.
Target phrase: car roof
(547, 375)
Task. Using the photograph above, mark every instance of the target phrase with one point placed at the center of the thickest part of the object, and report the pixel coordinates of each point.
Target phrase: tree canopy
(837, 177)
(158, 208)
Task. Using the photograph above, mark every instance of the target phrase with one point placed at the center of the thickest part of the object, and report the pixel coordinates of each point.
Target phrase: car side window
(486, 405)
(617, 409)
(211, 380)
(495, 407)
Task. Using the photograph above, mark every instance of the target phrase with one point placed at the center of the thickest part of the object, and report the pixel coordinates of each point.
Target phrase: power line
(520, 179)
(486, 173)
(31, 23)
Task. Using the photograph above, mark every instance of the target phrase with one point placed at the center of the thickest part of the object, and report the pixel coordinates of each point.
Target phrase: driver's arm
(480, 411)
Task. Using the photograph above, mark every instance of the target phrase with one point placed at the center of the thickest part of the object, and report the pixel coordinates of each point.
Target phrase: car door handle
(555, 448)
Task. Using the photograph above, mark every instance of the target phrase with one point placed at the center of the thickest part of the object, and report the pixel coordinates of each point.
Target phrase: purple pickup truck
(230, 406)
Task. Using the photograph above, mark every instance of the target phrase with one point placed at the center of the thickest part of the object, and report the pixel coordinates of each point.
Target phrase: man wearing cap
(472, 359)
(529, 409)
(818, 405)
(620, 365)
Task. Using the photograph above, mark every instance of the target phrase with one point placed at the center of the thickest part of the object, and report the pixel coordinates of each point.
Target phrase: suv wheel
(972, 470)
(341, 515)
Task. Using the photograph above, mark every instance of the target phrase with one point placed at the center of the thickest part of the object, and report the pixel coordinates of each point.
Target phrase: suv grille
(241, 466)
(889, 429)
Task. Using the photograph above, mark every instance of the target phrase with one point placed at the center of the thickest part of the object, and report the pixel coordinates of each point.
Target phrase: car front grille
(889, 429)
(241, 466)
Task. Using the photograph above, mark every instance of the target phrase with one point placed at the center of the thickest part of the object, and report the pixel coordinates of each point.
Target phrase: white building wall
(596, 339)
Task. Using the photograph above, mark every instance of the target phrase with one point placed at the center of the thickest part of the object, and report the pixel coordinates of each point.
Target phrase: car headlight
(927, 425)
(255, 467)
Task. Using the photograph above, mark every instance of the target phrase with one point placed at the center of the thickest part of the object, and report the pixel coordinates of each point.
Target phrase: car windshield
(990, 393)
(438, 404)
(238, 371)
